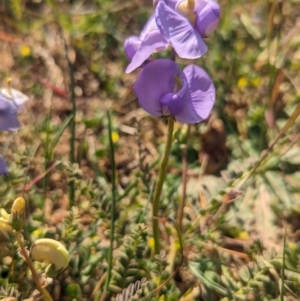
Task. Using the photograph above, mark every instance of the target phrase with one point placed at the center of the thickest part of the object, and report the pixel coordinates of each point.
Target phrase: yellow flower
(50, 250)
(242, 82)
(25, 50)
(115, 137)
(151, 242)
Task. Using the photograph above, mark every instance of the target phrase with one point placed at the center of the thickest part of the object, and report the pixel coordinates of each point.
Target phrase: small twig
(103, 296)
(97, 287)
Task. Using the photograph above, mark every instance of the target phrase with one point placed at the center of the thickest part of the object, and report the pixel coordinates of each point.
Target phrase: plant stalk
(113, 204)
(34, 274)
(158, 188)
(184, 181)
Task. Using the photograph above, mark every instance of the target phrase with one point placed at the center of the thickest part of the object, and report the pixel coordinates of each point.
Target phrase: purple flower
(3, 167)
(10, 102)
(159, 94)
(185, 26)
(139, 49)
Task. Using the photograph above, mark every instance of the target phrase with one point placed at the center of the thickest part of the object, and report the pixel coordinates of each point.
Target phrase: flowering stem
(34, 274)
(160, 182)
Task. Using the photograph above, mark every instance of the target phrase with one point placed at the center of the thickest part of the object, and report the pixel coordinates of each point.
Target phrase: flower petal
(199, 97)
(177, 30)
(131, 46)
(171, 3)
(3, 167)
(172, 102)
(8, 115)
(153, 41)
(156, 79)
(16, 96)
(149, 26)
(208, 16)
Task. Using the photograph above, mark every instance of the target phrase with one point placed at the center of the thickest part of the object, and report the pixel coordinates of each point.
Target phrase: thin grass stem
(113, 193)
(161, 178)
(283, 267)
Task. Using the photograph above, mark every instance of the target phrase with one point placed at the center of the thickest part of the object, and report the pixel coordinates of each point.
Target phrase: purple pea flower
(185, 37)
(10, 102)
(139, 49)
(158, 92)
(3, 167)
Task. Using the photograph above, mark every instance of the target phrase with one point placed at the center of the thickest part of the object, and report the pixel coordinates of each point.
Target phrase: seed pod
(50, 250)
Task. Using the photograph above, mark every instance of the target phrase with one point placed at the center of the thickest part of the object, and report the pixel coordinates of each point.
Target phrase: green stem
(113, 204)
(160, 182)
(73, 121)
(58, 17)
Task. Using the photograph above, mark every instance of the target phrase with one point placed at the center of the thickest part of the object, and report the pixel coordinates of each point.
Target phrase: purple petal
(131, 46)
(199, 97)
(17, 97)
(208, 16)
(9, 122)
(156, 79)
(8, 115)
(172, 103)
(171, 3)
(3, 167)
(153, 41)
(149, 26)
(177, 30)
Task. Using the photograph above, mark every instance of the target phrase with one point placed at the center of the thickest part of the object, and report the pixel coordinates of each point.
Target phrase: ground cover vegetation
(105, 194)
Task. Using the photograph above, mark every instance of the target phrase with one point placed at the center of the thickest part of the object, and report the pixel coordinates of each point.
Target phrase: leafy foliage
(242, 188)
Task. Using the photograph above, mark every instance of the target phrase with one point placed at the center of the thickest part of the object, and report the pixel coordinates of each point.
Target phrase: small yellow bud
(151, 242)
(18, 206)
(25, 50)
(242, 82)
(115, 137)
(50, 250)
(17, 210)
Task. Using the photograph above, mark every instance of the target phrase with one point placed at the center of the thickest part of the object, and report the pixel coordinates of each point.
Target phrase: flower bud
(208, 16)
(51, 251)
(18, 206)
(17, 210)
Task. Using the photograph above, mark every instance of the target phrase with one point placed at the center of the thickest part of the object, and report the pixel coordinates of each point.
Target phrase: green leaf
(253, 30)
(244, 273)
(208, 279)
(60, 131)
